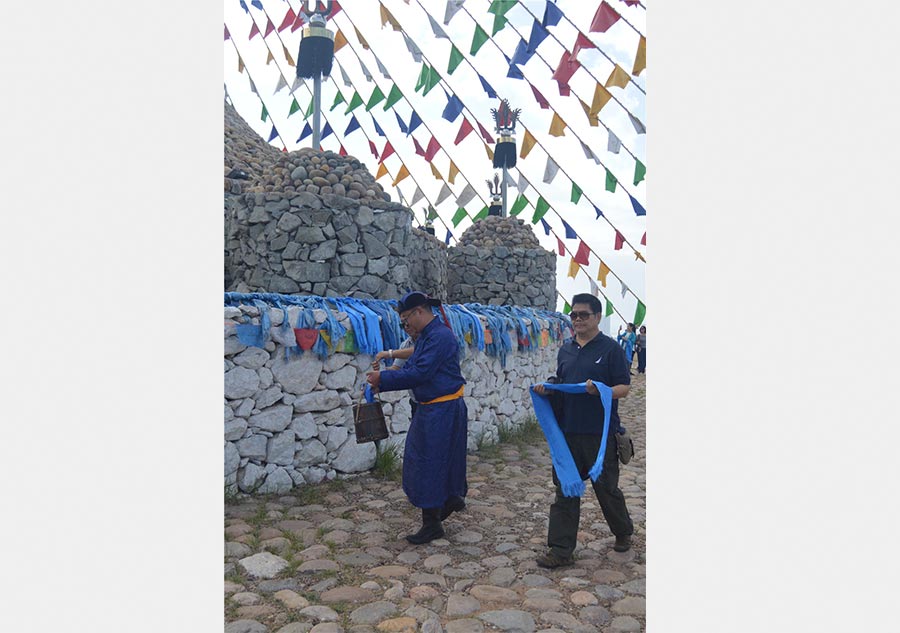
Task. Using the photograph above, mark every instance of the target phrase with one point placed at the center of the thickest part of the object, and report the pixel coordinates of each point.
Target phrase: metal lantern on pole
(496, 207)
(316, 55)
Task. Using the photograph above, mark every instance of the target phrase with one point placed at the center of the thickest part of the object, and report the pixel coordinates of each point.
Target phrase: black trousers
(565, 512)
(642, 360)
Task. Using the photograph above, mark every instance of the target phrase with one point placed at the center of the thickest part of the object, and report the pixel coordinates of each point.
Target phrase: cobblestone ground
(332, 558)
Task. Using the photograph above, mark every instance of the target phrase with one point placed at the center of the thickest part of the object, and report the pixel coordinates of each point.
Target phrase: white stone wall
(291, 422)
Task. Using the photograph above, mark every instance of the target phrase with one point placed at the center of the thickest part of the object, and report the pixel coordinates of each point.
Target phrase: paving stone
(509, 620)
(458, 604)
(624, 623)
(245, 598)
(605, 592)
(465, 625)
(638, 586)
(263, 565)
(594, 615)
(632, 605)
(373, 613)
(318, 565)
(320, 613)
(489, 593)
(399, 625)
(389, 571)
(245, 626)
(291, 599)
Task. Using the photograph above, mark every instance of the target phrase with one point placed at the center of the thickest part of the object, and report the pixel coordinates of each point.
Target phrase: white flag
(550, 170)
(436, 28)
(345, 78)
(638, 126)
(253, 88)
(412, 48)
(614, 144)
(523, 184)
(298, 83)
(443, 195)
(466, 196)
(508, 180)
(382, 69)
(589, 154)
(281, 84)
(594, 289)
(624, 288)
(365, 71)
(452, 7)
(418, 195)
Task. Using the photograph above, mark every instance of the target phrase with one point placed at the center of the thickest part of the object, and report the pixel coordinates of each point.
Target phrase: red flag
(419, 150)
(583, 254)
(227, 34)
(464, 130)
(631, 3)
(545, 105)
(485, 134)
(289, 18)
(388, 150)
(620, 239)
(374, 149)
(644, 239)
(564, 71)
(433, 147)
(306, 337)
(604, 18)
(342, 152)
(335, 7)
(254, 30)
(581, 42)
(269, 27)
(560, 246)
(298, 22)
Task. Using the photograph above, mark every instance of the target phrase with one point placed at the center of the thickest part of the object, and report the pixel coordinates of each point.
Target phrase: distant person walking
(626, 339)
(641, 347)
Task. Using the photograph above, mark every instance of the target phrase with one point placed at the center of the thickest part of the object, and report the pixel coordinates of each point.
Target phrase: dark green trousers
(565, 512)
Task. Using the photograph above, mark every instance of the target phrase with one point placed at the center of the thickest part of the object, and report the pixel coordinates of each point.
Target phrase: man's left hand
(373, 378)
(592, 388)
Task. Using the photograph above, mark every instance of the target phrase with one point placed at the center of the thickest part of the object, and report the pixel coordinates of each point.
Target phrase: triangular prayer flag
(610, 182)
(265, 114)
(298, 22)
(573, 268)
(540, 210)
(431, 151)
(545, 105)
(419, 149)
(418, 195)
(413, 49)
(601, 98)
(583, 254)
(281, 84)
(576, 193)
(431, 81)
(639, 313)
(570, 232)
(253, 87)
(640, 59)
(289, 18)
(464, 130)
(522, 184)
(384, 71)
(344, 78)
(528, 142)
(414, 121)
(340, 40)
(449, 235)
(227, 34)
(388, 150)
(393, 97)
(435, 172)
(520, 203)
(294, 107)
(604, 18)
(594, 289)
(401, 123)
(377, 96)
(353, 126)
(598, 211)
(458, 217)
(436, 28)
(581, 42)
(564, 71)
(499, 8)
(443, 195)
(478, 39)
(309, 109)
(489, 152)
(272, 134)
(455, 59)
(589, 154)
(299, 82)
(618, 77)
(257, 4)
(287, 56)
(453, 171)
(638, 209)
(403, 173)
(452, 7)
(453, 108)
(639, 171)
(638, 126)
(244, 6)
(613, 144)
(545, 226)
(557, 126)
(365, 71)
(254, 30)
(560, 247)
(624, 288)
(609, 308)
(484, 133)
(481, 214)
(538, 34)
(644, 239)
(382, 170)
(373, 149)
(355, 102)
(362, 40)
(487, 87)
(423, 75)
(620, 239)
(602, 273)
(550, 170)
(326, 131)
(592, 118)
(307, 130)
(388, 18)
(468, 193)
(552, 15)
(378, 129)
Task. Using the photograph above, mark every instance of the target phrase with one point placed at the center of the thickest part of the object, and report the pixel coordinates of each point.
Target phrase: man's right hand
(540, 390)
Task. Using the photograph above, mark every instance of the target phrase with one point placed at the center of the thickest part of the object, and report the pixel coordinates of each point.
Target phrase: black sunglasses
(581, 315)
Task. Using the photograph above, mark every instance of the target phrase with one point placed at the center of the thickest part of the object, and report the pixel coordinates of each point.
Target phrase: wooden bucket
(369, 422)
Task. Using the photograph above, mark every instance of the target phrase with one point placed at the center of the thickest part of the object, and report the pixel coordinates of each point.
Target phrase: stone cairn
(499, 261)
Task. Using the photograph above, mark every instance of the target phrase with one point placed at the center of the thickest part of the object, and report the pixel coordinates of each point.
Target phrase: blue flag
(244, 6)
(546, 226)
(378, 129)
(257, 4)
(538, 35)
(401, 123)
(599, 212)
(414, 121)
(447, 239)
(273, 134)
(487, 87)
(354, 125)
(570, 232)
(552, 15)
(522, 53)
(307, 130)
(327, 130)
(453, 109)
(638, 209)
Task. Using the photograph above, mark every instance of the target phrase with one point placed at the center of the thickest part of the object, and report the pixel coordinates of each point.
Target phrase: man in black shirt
(589, 356)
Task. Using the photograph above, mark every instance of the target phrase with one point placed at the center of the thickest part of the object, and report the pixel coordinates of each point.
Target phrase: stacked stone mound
(428, 264)
(499, 261)
(246, 151)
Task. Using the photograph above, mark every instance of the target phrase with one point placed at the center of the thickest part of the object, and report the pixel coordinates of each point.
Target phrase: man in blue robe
(434, 459)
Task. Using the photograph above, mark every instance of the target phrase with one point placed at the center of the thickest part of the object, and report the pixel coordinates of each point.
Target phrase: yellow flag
(270, 58)
(361, 39)
(436, 173)
(573, 268)
(592, 118)
(339, 41)
(453, 171)
(287, 56)
(527, 143)
(386, 18)
(640, 60)
(489, 151)
(403, 173)
(382, 170)
(618, 77)
(602, 273)
(638, 256)
(601, 98)
(557, 126)
(240, 64)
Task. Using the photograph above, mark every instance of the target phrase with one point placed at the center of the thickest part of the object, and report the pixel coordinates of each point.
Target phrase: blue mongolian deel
(375, 324)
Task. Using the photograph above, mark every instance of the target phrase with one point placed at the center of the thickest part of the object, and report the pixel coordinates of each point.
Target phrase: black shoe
(623, 543)
(431, 527)
(551, 560)
(454, 504)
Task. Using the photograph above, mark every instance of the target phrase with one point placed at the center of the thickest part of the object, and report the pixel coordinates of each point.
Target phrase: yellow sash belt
(448, 397)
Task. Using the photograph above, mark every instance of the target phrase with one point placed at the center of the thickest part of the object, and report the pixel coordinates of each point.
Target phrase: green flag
(432, 214)
(294, 107)
(338, 98)
(431, 80)
(639, 171)
(520, 203)
(500, 8)
(265, 114)
(458, 216)
(609, 308)
(423, 75)
(566, 308)
(355, 102)
(481, 214)
(610, 181)
(639, 314)
(576, 193)
(540, 210)
(376, 97)
(455, 59)
(478, 39)
(393, 97)
(309, 111)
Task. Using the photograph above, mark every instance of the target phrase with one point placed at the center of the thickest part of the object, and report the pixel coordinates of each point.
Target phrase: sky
(619, 44)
